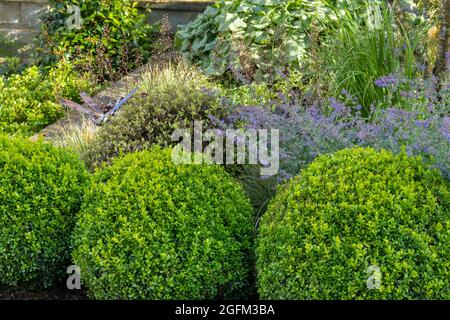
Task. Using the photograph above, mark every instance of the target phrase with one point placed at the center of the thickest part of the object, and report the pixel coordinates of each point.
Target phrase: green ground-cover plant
(253, 39)
(41, 190)
(151, 229)
(351, 212)
(29, 100)
(113, 38)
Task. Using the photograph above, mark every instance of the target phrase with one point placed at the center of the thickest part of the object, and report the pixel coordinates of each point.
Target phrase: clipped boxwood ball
(359, 224)
(41, 188)
(150, 229)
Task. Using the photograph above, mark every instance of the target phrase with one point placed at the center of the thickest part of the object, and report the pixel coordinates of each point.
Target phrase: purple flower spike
(386, 81)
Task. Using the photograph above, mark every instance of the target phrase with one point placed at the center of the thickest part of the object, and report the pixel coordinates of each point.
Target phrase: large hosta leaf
(237, 25)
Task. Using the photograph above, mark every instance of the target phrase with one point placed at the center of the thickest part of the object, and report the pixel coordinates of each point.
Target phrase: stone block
(30, 13)
(9, 13)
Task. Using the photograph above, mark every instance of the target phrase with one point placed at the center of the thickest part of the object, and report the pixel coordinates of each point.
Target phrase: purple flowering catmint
(387, 81)
(421, 67)
(422, 123)
(447, 59)
(307, 131)
(407, 94)
(446, 128)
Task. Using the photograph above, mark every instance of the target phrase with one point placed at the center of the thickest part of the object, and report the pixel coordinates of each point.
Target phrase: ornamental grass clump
(362, 54)
(41, 189)
(150, 229)
(357, 224)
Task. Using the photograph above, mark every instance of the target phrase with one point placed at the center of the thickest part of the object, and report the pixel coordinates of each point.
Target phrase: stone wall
(18, 18)
(179, 12)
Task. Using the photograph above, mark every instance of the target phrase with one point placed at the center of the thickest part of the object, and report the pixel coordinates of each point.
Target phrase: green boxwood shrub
(170, 97)
(150, 229)
(351, 211)
(29, 100)
(41, 188)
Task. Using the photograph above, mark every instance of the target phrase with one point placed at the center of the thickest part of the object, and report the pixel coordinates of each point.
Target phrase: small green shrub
(150, 229)
(9, 61)
(10, 65)
(29, 100)
(6, 46)
(352, 210)
(113, 37)
(169, 98)
(41, 188)
(13, 54)
(254, 94)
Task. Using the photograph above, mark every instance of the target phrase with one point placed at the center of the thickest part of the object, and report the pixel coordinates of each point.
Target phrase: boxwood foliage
(170, 97)
(150, 229)
(326, 232)
(41, 189)
(29, 100)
